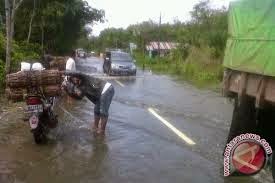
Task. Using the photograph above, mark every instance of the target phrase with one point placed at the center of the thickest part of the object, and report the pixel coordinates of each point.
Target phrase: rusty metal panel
(270, 90)
(254, 85)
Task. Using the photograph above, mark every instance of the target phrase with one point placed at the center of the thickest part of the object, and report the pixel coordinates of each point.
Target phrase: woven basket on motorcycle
(17, 80)
(15, 95)
(54, 68)
(58, 62)
(25, 79)
(50, 77)
(62, 63)
(52, 90)
(61, 67)
(53, 64)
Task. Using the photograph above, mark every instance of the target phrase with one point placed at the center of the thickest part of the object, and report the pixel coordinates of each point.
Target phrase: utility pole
(159, 37)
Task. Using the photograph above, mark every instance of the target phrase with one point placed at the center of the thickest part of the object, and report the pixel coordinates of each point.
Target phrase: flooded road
(160, 130)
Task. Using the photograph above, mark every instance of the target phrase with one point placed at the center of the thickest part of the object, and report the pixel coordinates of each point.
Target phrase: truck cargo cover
(251, 43)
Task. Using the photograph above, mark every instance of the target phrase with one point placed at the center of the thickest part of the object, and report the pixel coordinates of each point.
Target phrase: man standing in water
(97, 91)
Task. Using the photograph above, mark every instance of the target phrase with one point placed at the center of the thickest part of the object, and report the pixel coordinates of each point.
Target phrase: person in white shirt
(70, 64)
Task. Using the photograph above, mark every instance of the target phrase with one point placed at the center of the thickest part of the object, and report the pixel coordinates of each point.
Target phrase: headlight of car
(134, 67)
(114, 66)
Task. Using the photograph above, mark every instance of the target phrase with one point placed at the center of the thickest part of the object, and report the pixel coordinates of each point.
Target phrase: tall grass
(200, 66)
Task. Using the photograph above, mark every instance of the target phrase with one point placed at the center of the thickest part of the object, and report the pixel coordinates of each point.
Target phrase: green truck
(249, 76)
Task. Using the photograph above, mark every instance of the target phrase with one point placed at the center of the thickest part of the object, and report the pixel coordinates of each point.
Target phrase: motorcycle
(40, 109)
(41, 116)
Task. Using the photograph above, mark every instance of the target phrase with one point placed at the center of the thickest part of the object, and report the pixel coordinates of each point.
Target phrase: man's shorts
(102, 106)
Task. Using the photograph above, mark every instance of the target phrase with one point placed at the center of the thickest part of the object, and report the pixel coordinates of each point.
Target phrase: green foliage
(2, 75)
(21, 52)
(2, 46)
(56, 27)
(207, 28)
(24, 52)
(2, 13)
(111, 38)
(2, 63)
(199, 54)
(57, 24)
(200, 66)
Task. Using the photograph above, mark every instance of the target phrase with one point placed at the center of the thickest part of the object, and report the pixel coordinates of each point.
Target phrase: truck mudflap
(237, 83)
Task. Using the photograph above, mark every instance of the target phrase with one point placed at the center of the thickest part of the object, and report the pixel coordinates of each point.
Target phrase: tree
(209, 27)
(31, 21)
(11, 6)
(55, 24)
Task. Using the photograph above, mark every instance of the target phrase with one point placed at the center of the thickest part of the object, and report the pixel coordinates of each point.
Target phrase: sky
(122, 13)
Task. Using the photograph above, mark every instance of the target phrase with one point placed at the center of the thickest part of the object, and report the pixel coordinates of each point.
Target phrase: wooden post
(159, 35)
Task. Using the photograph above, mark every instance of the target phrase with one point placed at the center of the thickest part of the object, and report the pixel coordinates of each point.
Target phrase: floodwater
(138, 146)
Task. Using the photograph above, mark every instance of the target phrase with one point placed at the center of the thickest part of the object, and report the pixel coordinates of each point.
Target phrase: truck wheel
(244, 118)
(266, 125)
(273, 166)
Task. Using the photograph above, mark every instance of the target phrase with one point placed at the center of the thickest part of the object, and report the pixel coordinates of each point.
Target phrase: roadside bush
(203, 55)
(180, 54)
(21, 51)
(201, 65)
(2, 46)
(2, 64)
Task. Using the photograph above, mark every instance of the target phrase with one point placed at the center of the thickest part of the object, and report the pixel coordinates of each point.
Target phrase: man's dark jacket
(90, 86)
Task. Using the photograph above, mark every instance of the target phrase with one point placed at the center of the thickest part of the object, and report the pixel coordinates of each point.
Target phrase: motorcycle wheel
(39, 135)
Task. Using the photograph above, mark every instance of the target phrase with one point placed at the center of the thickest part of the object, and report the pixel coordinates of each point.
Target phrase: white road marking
(171, 127)
(121, 84)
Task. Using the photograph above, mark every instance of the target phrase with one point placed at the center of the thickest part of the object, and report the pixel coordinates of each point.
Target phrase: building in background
(160, 48)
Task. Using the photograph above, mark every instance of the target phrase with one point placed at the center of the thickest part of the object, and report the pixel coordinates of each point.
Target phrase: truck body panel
(238, 83)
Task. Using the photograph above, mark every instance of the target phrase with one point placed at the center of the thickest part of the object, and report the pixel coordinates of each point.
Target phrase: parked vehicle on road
(92, 54)
(81, 53)
(117, 63)
(42, 117)
(249, 76)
